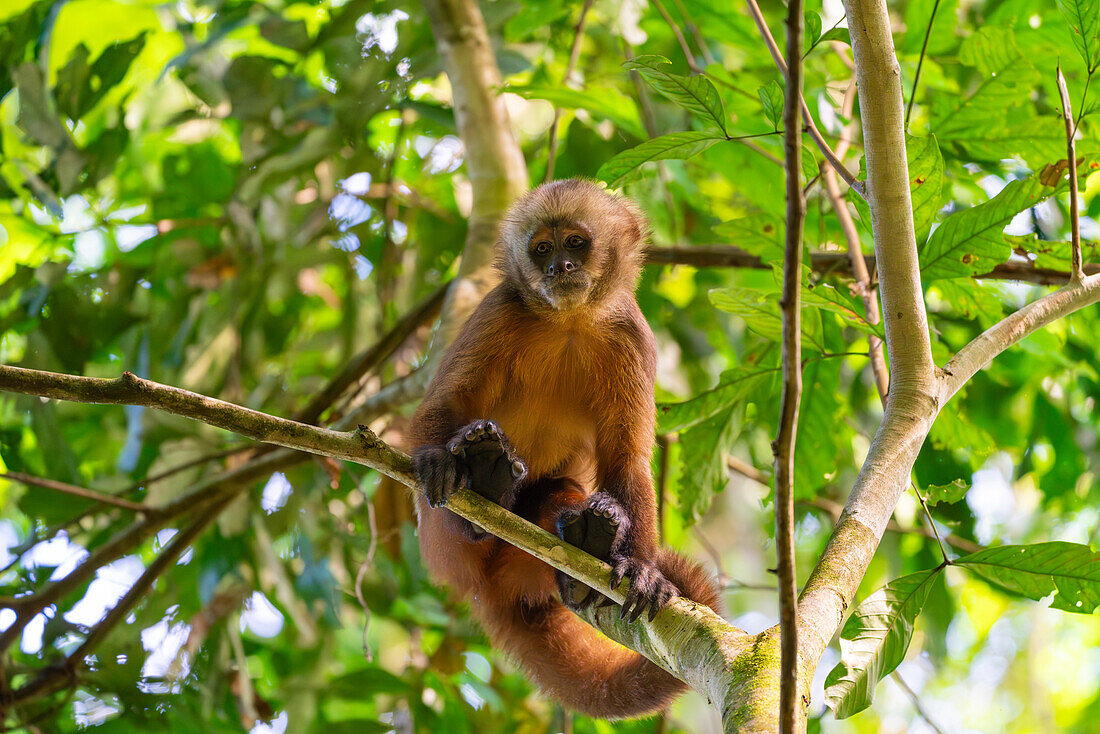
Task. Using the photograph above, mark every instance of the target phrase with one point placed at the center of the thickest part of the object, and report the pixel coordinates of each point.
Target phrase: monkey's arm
(453, 445)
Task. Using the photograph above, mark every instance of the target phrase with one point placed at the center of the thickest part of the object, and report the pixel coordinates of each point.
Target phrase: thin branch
(834, 510)
(574, 56)
(819, 140)
(915, 700)
(931, 523)
(791, 306)
(999, 337)
(1077, 270)
(74, 491)
(835, 264)
(680, 626)
(694, 31)
(362, 573)
(920, 63)
(374, 355)
(855, 256)
(672, 24)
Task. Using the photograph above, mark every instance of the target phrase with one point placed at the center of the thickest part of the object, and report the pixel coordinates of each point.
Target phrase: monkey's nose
(569, 267)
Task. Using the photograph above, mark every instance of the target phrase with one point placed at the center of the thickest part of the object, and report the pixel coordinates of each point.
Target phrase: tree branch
(74, 491)
(790, 306)
(681, 622)
(913, 400)
(494, 161)
(1077, 271)
(836, 264)
(818, 138)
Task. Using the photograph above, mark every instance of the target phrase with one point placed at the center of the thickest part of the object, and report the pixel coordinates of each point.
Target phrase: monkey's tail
(576, 665)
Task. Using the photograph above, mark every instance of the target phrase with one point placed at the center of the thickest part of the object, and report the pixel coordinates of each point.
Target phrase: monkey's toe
(438, 472)
(649, 589)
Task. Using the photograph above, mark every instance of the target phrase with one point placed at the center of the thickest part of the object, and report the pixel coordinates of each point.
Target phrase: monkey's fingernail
(653, 612)
(518, 468)
(471, 434)
(456, 449)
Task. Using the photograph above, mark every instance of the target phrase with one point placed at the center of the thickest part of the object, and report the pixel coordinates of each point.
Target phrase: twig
(835, 264)
(920, 63)
(574, 56)
(915, 700)
(389, 214)
(679, 37)
(931, 523)
(662, 482)
(374, 355)
(834, 510)
(819, 140)
(244, 694)
(71, 489)
(1077, 270)
(361, 574)
(694, 31)
(856, 258)
(790, 306)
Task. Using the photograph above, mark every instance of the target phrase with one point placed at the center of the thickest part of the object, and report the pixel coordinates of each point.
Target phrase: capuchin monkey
(544, 404)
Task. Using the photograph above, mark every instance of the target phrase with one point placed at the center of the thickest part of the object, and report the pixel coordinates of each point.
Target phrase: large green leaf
(1083, 17)
(626, 165)
(874, 640)
(925, 179)
(1035, 571)
(694, 93)
(602, 103)
(703, 473)
(971, 241)
(732, 387)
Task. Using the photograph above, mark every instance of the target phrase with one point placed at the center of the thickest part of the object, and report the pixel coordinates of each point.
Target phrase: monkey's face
(560, 253)
(570, 245)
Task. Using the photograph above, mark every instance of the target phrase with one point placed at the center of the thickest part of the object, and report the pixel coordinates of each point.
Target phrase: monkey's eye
(574, 242)
(542, 248)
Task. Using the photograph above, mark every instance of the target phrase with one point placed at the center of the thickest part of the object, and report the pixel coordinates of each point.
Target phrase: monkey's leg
(516, 575)
(601, 529)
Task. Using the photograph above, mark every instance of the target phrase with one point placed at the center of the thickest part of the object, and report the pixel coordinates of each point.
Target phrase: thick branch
(913, 400)
(688, 619)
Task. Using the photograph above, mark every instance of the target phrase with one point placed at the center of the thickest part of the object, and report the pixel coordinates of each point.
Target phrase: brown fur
(572, 388)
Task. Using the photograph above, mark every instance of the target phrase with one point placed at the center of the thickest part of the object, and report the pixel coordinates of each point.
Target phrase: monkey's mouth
(566, 289)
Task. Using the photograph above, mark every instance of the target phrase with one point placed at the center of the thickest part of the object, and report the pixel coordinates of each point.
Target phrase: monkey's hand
(479, 457)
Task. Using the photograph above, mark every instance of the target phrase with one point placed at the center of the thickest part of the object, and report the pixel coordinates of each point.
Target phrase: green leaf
(841, 302)
(949, 493)
(812, 28)
(971, 241)
(925, 179)
(625, 166)
(810, 166)
(366, 682)
(702, 454)
(733, 387)
(602, 103)
(837, 34)
(771, 96)
(759, 307)
(37, 116)
(694, 93)
(874, 640)
(1069, 570)
(1083, 17)
(759, 234)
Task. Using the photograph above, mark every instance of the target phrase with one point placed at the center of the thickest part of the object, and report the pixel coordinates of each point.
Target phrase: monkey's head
(570, 244)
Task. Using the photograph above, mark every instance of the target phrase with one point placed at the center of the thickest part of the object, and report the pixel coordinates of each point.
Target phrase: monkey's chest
(553, 432)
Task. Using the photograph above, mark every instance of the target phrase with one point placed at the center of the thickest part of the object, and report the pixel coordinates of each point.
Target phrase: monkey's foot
(649, 589)
(597, 529)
